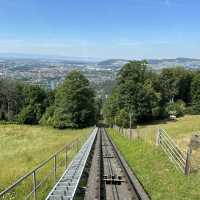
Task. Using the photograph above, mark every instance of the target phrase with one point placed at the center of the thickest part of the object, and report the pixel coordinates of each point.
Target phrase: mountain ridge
(156, 63)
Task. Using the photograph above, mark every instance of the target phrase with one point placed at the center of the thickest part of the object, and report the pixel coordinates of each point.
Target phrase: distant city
(50, 72)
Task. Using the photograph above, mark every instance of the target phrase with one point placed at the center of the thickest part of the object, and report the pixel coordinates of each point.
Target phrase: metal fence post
(77, 144)
(188, 163)
(66, 152)
(34, 186)
(158, 137)
(54, 166)
(131, 134)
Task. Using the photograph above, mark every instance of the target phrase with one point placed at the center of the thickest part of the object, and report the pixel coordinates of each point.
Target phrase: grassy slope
(156, 172)
(24, 147)
(180, 130)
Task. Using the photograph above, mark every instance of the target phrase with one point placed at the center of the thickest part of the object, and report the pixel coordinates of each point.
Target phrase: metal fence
(68, 184)
(127, 132)
(38, 182)
(179, 158)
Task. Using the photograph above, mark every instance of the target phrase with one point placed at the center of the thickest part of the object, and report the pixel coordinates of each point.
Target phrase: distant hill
(185, 62)
(111, 62)
(154, 63)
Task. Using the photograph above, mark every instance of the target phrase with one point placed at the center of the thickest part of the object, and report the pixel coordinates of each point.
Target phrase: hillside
(157, 173)
(23, 147)
(155, 63)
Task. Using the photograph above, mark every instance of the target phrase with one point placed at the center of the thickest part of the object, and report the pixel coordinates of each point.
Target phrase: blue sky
(101, 29)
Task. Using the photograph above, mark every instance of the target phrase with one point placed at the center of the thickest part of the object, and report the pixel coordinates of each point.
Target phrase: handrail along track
(34, 180)
(109, 175)
(66, 187)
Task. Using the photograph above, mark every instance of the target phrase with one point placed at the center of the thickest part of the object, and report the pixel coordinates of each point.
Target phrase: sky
(129, 29)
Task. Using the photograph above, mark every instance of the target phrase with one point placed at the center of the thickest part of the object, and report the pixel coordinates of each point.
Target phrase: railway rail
(66, 187)
(111, 178)
(108, 176)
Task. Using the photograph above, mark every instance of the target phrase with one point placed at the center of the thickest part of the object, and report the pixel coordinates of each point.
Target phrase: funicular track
(110, 177)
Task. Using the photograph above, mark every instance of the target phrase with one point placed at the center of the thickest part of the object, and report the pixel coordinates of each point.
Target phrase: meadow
(23, 147)
(180, 130)
(153, 168)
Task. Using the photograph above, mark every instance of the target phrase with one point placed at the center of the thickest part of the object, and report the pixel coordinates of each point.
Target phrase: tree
(22, 103)
(11, 99)
(174, 84)
(134, 95)
(35, 103)
(184, 77)
(176, 108)
(168, 85)
(136, 92)
(123, 119)
(195, 93)
(110, 108)
(74, 103)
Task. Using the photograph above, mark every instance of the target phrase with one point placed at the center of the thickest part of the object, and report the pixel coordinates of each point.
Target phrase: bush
(62, 120)
(27, 116)
(195, 92)
(176, 108)
(47, 118)
(193, 110)
(30, 114)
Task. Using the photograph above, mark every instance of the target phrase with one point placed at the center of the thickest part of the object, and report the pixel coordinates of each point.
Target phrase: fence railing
(179, 158)
(46, 175)
(126, 132)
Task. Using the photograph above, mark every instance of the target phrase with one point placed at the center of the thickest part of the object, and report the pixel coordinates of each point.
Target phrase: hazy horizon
(77, 58)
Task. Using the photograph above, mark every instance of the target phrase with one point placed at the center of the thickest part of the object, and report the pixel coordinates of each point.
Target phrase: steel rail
(130, 176)
(93, 188)
(114, 187)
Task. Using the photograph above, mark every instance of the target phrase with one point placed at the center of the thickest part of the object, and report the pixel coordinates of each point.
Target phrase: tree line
(72, 104)
(142, 94)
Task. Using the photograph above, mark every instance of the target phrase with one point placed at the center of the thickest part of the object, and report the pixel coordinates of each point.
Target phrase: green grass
(158, 175)
(23, 147)
(180, 130)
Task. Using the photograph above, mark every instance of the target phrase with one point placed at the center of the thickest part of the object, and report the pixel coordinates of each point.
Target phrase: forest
(139, 94)
(71, 105)
(142, 95)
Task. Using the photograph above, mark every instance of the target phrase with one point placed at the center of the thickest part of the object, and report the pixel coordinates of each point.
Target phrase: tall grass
(158, 175)
(24, 147)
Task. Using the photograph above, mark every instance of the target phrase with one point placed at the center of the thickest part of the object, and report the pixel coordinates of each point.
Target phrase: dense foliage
(72, 104)
(22, 103)
(195, 93)
(141, 94)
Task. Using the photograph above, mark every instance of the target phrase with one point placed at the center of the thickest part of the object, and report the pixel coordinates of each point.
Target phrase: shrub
(27, 116)
(176, 108)
(62, 120)
(47, 118)
(30, 114)
(195, 93)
